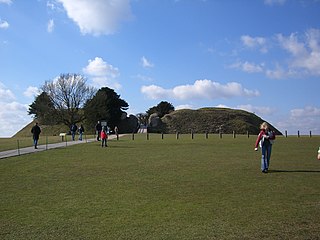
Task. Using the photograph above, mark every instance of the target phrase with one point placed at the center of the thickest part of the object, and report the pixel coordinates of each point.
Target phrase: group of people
(103, 133)
(74, 128)
(265, 139)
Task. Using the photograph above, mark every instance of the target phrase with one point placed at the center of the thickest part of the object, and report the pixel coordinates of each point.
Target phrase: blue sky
(262, 56)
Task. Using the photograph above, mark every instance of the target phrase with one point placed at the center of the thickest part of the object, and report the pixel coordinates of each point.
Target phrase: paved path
(27, 150)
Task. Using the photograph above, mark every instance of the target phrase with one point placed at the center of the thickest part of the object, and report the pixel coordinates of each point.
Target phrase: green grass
(163, 189)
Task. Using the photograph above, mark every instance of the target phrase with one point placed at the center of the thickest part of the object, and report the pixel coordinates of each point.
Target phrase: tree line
(68, 100)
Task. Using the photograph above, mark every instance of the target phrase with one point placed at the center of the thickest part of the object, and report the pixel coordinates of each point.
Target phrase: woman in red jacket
(104, 137)
(265, 140)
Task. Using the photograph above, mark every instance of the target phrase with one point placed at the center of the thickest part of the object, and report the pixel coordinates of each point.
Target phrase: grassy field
(163, 189)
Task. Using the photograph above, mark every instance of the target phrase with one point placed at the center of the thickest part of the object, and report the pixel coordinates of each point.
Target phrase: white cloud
(274, 2)
(50, 26)
(6, 1)
(6, 94)
(305, 52)
(255, 42)
(259, 110)
(146, 63)
(248, 67)
(13, 115)
(201, 89)
(303, 119)
(99, 16)
(102, 73)
(31, 92)
(184, 106)
(4, 24)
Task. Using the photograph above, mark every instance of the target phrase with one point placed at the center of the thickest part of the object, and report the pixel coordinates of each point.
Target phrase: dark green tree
(161, 109)
(105, 105)
(43, 109)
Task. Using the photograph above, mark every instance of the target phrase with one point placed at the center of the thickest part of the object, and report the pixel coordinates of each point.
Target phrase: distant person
(35, 130)
(265, 139)
(104, 137)
(73, 130)
(98, 130)
(116, 131)
(81, 131)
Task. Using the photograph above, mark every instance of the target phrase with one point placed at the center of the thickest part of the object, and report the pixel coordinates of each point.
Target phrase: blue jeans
(73, 134)
(35, 142)
(266, 155)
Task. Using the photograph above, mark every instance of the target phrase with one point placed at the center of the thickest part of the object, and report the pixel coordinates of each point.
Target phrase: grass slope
(213, 120)
(163, 189)
(46, 130)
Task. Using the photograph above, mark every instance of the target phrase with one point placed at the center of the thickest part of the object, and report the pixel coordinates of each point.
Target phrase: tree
(161, 109)
(142, 118)
(42, 108)
(105, 105)
(68, 93)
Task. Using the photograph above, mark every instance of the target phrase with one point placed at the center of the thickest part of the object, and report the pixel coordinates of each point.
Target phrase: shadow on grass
(294, 171)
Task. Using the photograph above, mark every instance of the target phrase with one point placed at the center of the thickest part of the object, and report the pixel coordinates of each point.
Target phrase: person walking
(81, 131)
(98, 130)
(104, 137)
(73, 130)
(265, 140)
(35, 130)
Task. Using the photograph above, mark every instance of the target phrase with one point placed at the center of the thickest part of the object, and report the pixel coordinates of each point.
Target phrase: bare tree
(69, 93)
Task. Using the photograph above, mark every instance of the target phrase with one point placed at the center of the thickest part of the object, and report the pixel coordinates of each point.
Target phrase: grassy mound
(46, 130)
(212, 120)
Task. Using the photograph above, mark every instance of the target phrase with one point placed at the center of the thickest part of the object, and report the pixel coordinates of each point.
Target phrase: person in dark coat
(81, 131)
(35, 134)
(73, 130)
(98, 130)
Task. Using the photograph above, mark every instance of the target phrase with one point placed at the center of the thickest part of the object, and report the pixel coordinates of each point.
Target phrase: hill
(46, 130)
(211, 120)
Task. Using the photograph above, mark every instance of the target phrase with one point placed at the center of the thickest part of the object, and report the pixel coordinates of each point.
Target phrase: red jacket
(104, 135)
(263, 133)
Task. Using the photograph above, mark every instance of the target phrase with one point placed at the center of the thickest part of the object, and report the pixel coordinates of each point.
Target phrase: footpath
(44, 147)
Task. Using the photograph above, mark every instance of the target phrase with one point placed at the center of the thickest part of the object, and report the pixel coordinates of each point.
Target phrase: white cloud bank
(98, 17)
(102, 73)
(303, 119)
(201, 89)
(302, 59)
(13, 115)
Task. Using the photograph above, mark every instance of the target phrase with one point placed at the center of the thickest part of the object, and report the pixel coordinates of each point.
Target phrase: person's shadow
(294, 171)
